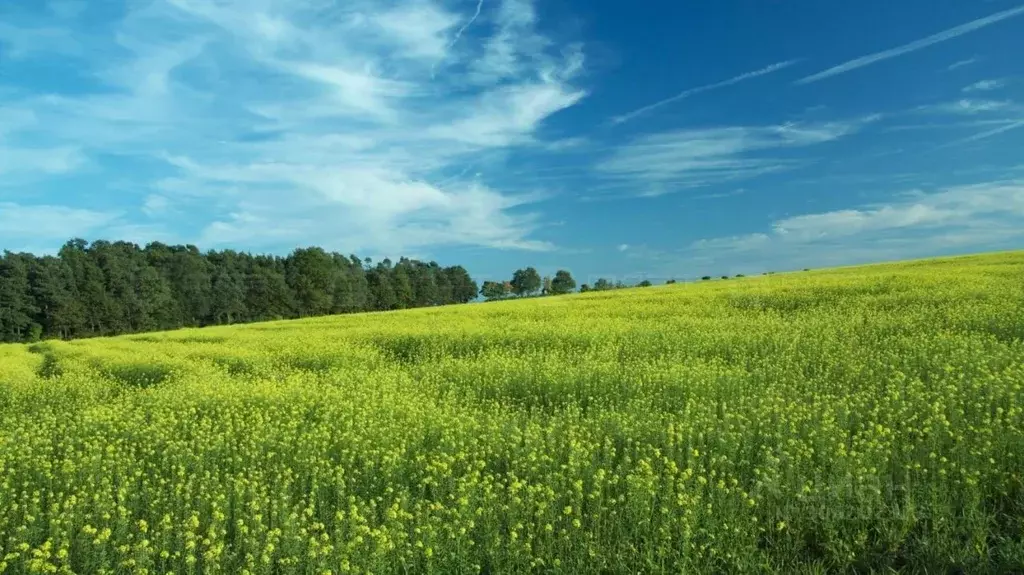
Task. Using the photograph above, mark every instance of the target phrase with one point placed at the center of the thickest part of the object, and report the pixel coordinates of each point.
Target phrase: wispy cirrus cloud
(914, 46)
(968, 106)
(913, 224)
(986, 85)
(464, 27)
(997, 116)
(339, 124)
(657, 164)
(720, 195)
(19, 223)
(1014, 125)
(19, 42)
(962, 64)
(700, 89)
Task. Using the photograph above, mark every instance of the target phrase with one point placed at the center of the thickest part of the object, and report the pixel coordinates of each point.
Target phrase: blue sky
(616, 139)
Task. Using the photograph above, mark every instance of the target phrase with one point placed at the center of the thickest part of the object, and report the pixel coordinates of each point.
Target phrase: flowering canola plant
(838, 420)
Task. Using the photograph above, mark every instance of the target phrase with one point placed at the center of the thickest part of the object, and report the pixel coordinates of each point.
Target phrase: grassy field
(851, 420)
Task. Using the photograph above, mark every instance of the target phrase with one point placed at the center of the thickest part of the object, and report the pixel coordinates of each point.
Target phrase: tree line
(111, 288)
(108, 288)
(528, 283)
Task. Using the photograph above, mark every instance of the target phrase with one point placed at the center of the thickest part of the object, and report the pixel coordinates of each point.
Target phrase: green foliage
(110, 288)
(847, 421)
(17, 307)
(563, 283)
(494, 290)
(464, 289)
(525, 281)
(644, 283)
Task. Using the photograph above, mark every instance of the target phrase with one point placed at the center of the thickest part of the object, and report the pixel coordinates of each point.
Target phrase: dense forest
(112, 288)
(109, 288)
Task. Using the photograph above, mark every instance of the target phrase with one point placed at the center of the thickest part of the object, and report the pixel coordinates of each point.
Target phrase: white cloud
(660, 163)
(156, 205)
(306, 121)
(67, 8)
(985, 85)
(13, 119)
(47, 222)
(509, 114)
(623, 247)
(513, 47)
(720, 195)
(33, 161)
(19, 42)
(981, 216)
(421, 28)
(961, 64)
(993, 132)
(968, 106)
(354, 89)
(914, 46)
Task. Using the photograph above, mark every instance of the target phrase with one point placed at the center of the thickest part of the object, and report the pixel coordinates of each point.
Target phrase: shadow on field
(138, 375)
(51, 365)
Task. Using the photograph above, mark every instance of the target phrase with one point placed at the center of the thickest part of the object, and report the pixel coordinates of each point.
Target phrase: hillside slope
(858, 418)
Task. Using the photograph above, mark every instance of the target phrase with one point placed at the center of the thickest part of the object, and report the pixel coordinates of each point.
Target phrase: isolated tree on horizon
(525, 281)
(563, 283)
(491, 290)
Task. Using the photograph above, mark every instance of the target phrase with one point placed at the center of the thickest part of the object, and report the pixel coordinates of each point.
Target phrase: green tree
(310, 274)
(55, 295)
(602, 284)
(424, 284)
(382, 291)
(644, 283)
(114, 263)
(191, 282)
(563, 283)
(351, 290)
(89, 282)
(401, 283)
(155, 307)
(228, 300)
(464, 289)
(267, 295)
(17, 307)
(493, 290)
(525, 281)
(108, 288)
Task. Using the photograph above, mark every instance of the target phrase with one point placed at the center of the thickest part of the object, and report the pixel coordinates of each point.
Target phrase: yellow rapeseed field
(829, 421)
